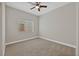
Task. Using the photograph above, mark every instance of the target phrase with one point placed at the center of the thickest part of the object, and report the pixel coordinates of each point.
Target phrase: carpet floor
(38, 47)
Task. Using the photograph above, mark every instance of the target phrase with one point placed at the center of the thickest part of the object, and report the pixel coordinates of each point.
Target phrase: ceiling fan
(38, 6)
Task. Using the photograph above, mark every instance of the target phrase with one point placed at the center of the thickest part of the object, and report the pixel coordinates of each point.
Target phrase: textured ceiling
(25, 6)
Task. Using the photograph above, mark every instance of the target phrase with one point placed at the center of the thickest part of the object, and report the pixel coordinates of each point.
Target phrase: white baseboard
(73, 46)
(42, 38)
(21, 40)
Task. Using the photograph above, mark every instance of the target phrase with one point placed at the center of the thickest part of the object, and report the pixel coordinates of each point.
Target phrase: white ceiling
(25, 6)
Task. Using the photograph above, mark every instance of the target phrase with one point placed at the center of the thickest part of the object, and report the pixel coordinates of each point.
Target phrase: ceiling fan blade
(38, 2)
(38, 9)
(32, 8)
(43, 6)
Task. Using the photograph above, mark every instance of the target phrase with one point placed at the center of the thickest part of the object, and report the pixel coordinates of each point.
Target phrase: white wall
(12, 17)
(60, 24)
(0, 29)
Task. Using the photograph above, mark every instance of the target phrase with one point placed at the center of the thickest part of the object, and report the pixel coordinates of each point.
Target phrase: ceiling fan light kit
(37, 7)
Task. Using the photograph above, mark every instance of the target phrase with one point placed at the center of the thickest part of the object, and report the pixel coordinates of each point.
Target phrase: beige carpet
(39, 47)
